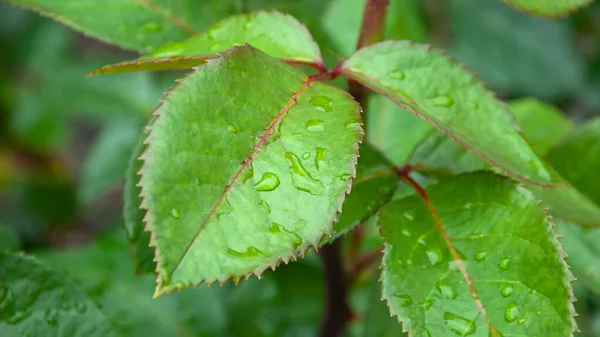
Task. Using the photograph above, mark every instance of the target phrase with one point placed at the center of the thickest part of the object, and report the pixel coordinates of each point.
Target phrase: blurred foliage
(66, 140)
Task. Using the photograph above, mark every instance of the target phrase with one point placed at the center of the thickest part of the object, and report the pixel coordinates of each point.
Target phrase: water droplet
(250, 252)
(384, 190)
(435, 256)
(320, 157)
(306, 155)
(346, 176)
(266, 205)
(459, 325)
(406, 232)
(397, 75)
(511, 312)
(198, 182)
(521, 321)
(446, 290)
(409, 215)
(152, 27)
(18, 317)
(321, 103)
(80, 307)
(315, 125)
(6, 299)
(475, 105)
(268, 182)
(404, 300)
(175, 213)
(207, 151)
(165, 275)
(409, 262)
(64, 306)
(539, 312)
(51, 316)
(354, 124)
(248, 173)
(302, 180)
(426, 332)
(427, 304)
(480, 256)
(504, 263)
(275, 228)
(232, 128)
(444, 101)
(422, 241)
(507, 290)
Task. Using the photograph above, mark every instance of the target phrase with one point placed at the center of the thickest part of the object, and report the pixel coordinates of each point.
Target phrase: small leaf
(133, 215)
(227, 183)
(584, 253)
(279, 35)
(140, 25)
(548, 7)
(577, 159)
(431, 86)
(38, 301)
(482, 262)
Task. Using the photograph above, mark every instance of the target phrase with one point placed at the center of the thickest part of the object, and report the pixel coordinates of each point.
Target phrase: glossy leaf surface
(483, 262)
(38, 301)
(247, 164)
(548, 7)
(430, 85)
(276, 34)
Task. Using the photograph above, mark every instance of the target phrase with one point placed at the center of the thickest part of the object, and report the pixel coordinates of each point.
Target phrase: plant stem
(371, 31)
(338, 311)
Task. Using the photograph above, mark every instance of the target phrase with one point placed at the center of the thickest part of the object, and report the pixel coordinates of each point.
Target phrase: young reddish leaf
(276, 34)
(247, 164)
(430, 85)
(548, 7)
(38, 301)
(482, 262)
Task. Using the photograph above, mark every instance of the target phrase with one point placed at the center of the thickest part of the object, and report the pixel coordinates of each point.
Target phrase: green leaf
(430, 85)
(582, 248)
(515, 53)
(99, 175)
(548, 7)
(577, 159)
(542, 124)
(140, 25)
(9, 240)
(279, 35)
(37, 301)
(374, 186)
(133, 215)
(482, 262)
(247, 164)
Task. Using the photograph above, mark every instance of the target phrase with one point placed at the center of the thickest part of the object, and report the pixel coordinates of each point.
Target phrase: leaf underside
(276, 34)
(430, 85)
(548, 7)
(484, 262)
(38, 301)
(248, 164)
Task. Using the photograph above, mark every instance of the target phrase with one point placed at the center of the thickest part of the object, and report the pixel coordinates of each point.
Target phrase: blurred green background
(65, 141)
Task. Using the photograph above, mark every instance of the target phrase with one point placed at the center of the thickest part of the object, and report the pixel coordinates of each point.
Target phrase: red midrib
(455, 255)
(246, 162)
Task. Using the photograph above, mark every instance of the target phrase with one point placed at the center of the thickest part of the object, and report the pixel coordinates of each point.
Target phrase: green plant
(250, 157)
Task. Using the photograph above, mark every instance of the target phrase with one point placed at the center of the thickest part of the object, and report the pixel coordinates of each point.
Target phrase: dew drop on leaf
(18, 317)
(6, 300)
(435, 256)
(80, 307)
(459, 325)
(346, 176)
(446, 290)
(511, 312)
(406, 232)
(306, 155)
(504, 263)
(175, 213)
(427, 304)
(384, 190)
(232, 128)
(315, 125)
(152, 27)
(409, 215)
(507, 290)
(353, 124)
(250, 252)
(443, 101)
(521, 321)
(409, 262)
(268, 182)
(51, 316)
(539, 312)
(320, 157)
(266, 205)
(405, 300)
(302, 180)
(164, 275)
(398, 75)
(275, 228)
(321, 103)
(480, 256)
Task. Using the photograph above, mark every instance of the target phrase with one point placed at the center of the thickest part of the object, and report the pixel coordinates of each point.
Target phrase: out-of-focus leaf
(138, 239)
(577, 159)
(548, 7)
(543, 124)
(442, 277)
(515, 52)
(582, 248)
(377, 320)
(9, 240)
(38, 301)
(276, 34)
(107, 160)
(279, 173)
(433, 87)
